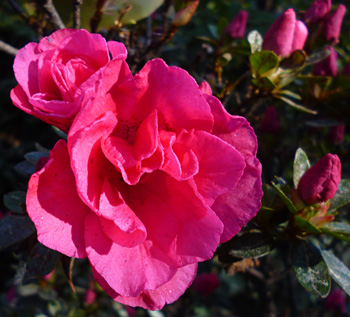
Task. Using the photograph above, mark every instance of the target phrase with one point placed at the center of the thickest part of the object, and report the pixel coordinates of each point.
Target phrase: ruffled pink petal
(176, 217)
(52, 41)
(97, 89)
(117, 220)
(129, 149)
(88, 161)
(55, 207)
(117, 49)
(236, 208)
(205, 88)
(20, 100)
(25, 68)
(213, 179)
(94, 51)
(167, 293)
(234, 130)
(169, 90)
(137, 269)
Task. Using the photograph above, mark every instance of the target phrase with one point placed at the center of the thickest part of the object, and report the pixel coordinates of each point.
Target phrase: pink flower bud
(317, 11)
(328, 66)
(270, 122)
(300, 35)
(90, 296)
(206, 283)
(184, 16)
(320, 182)
(236, 28)
(336, 134)
(333, 24)
(285, 35)
(335, 301)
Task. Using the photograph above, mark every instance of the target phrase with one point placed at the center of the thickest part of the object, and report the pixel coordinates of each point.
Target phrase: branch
(52, 13)
(8, 48)
(18, 10)
(76, 13)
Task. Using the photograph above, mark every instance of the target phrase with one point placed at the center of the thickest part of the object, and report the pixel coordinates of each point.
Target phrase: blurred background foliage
(248, 286)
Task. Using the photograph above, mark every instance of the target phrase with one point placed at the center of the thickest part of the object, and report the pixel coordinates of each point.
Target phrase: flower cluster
(153, 176)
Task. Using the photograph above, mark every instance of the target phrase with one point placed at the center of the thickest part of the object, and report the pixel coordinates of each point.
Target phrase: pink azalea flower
(320, 182)
(51, 73)
(317, 11)
(328, 66)
(236, 28)
(333, 24)
(154, 175)
(285, 35)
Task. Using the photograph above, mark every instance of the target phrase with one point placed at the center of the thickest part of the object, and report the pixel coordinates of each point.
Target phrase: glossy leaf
(301, 165)
(33, 157)
(250, 245)
(264, 83)
(342, 196)
(296, 106)
(337, 269)
(338, 227)
(263, 63)
(14, 229)
(41, 262)
(284, 197)
(310, 268)
(16, 201)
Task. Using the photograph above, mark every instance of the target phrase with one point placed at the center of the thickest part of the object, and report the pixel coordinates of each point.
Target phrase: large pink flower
(154, 176)
(51, 73)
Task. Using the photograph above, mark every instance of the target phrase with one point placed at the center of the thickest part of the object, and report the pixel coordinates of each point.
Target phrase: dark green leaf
(14, 229)
(41, 262)
(283, 196)
(306, 225)
(342, 196)
(25, 168)
(60, 133)
(338, 227)
(250, 245)
(296, 60)
(33, 157)
(16, 201)
(255, 40)
(301, 165)
(264, 83)
(310, 268)
(296, 106)
(317, 57)
(263, 63)
(339, 272)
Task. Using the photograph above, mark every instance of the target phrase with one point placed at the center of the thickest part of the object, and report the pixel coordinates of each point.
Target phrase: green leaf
(342, 196)
(255, 40)
(16, 201)
(301, 165)
(296, 60)
(264, 83)
(14, 229)
(41, 262)
(25, 168)
(310, 268)
(317, 57)
(338, 227)
(306, 225)
(337, 269)
(250, 245)
(33, 157)
(263, 63)
(283, 196)
(296, 106)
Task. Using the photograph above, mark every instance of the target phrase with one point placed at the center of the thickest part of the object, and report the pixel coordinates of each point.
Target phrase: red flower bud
(285, 35)
(336, 134)
(236, 28)
(206, 283)
(185, 15)
(270, 122)
(328, 66)
(320, 182)
(346, 69)
(335, 302)
(90, 296)
(333, 24)
(317, 11)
